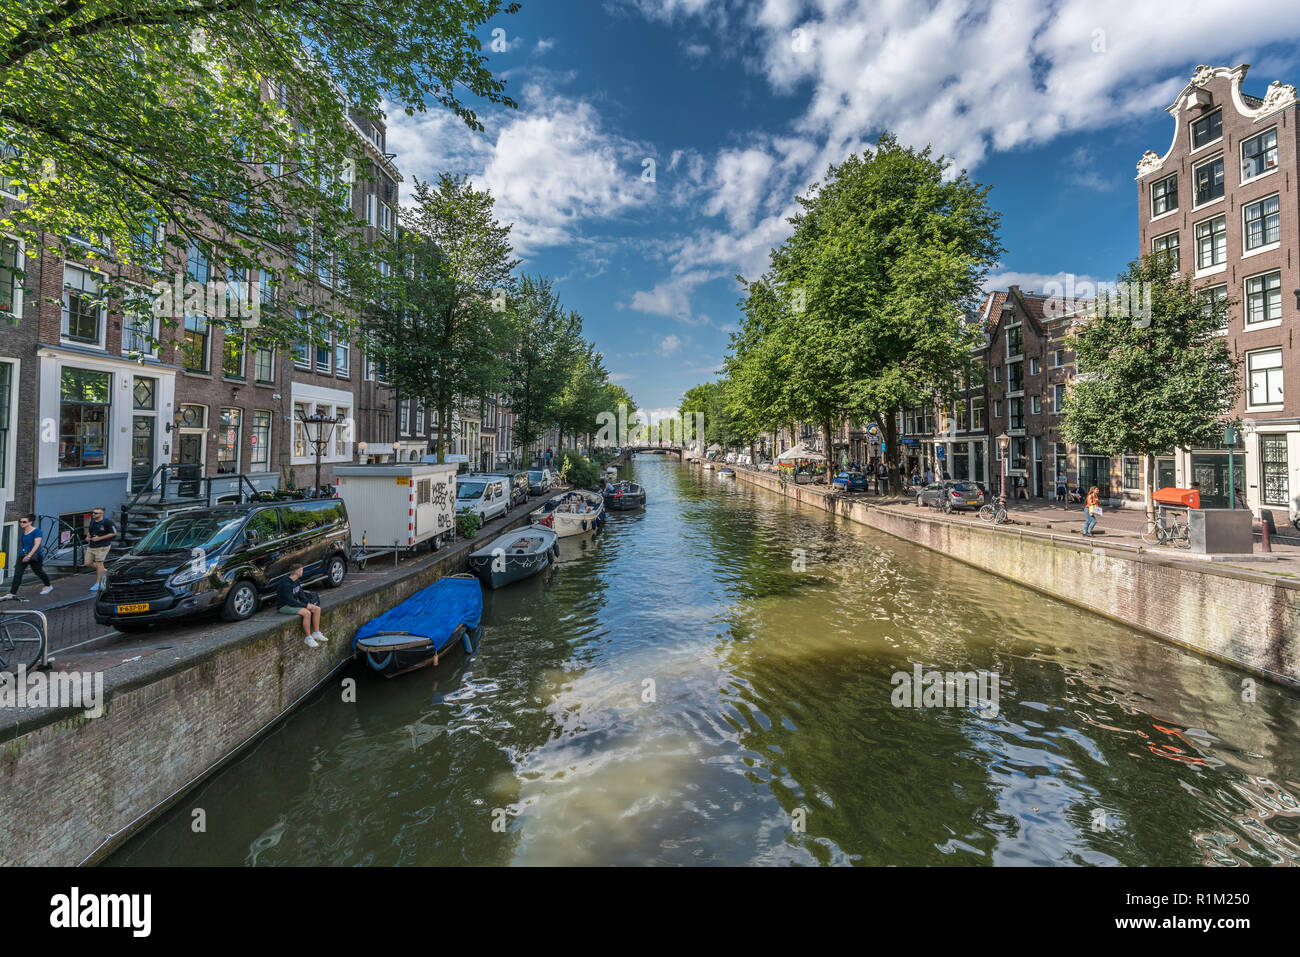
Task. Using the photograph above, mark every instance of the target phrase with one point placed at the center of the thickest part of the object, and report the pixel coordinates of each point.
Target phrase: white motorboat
(571, 513)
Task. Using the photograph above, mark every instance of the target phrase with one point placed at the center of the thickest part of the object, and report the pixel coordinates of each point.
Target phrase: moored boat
(726, 473)
(571, 513)
(422, 629)
(624, 496)
(514, 556)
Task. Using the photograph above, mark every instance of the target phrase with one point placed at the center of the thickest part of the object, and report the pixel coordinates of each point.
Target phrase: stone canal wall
(75, 788)
(1246, 618)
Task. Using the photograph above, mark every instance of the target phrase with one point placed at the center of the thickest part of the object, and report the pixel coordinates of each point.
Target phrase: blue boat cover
(434, 612)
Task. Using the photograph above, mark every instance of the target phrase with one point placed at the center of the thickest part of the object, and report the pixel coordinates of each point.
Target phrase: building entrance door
(142, 451)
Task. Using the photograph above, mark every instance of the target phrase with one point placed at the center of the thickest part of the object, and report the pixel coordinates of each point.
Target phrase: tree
(1154, 378)
(579, 404)
(226, 123)
(544, 338)
(442, 328)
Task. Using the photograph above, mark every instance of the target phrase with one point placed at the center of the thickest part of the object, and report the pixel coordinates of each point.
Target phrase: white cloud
(669, 344)
(544, 44)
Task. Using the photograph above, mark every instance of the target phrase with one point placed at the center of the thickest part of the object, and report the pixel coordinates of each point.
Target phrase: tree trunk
(889, 428)
(830, 454)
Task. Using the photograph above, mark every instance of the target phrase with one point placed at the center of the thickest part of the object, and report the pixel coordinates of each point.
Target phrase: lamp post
(1230, 439)
(320, 430)
(1004, 451)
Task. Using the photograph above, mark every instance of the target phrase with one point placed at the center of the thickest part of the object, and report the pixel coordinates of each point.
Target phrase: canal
(711, 682)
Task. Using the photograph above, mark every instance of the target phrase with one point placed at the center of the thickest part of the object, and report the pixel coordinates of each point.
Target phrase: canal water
(712, 681)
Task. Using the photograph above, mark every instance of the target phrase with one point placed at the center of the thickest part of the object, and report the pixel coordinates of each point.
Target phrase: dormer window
(1207, 129)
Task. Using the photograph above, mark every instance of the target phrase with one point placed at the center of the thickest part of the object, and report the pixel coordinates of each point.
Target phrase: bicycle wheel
(1001, 517)
(20, 644)
(988, 513)
(1181, 536)
(1153, 533)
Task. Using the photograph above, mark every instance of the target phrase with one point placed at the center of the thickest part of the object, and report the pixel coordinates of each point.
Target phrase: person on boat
(292, 600)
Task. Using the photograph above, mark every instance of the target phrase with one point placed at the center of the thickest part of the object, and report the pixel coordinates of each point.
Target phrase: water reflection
(675, 691)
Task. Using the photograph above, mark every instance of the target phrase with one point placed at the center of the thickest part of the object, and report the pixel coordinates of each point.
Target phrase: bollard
(1266, 528)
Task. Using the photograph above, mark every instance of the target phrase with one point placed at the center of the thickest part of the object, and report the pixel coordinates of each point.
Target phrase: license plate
(128, 609)
(972, 502)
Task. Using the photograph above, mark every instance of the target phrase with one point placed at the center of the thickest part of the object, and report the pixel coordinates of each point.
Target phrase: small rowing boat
(514, 556)
(624, 496)
(726, 473)
(571, 513)
(421, 630)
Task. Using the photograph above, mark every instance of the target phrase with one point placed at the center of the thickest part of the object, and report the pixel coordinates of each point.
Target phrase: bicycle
(997, 514)
(1158, 533)
(22, 643)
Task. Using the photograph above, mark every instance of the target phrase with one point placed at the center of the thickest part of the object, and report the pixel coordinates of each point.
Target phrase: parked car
(517, 482)
(224, 559)
(486, 496)
(950, 495)
(539, 481)
(850, 481)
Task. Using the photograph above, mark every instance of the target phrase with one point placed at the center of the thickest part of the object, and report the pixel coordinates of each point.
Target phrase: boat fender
(467, 641)
(555, 551)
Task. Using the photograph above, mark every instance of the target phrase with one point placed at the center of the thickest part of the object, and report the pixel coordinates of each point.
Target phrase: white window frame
(1171, 210)
(1242, 153)
(1245, 289)
(1219, 157)
(154, 333)
(1268, 372)
(1213, 268)
(102, 323)
(1247, 250)
(1191, 132)
(20, 265)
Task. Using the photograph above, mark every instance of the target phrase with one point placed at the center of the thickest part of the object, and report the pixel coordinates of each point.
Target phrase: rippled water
(675, 692)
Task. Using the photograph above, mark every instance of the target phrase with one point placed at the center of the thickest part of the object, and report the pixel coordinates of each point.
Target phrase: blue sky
(658, 144)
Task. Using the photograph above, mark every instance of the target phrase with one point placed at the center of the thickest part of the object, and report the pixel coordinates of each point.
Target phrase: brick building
(1222, 203)
(18, 385)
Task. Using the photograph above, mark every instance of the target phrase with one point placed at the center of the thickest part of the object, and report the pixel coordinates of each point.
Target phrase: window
(11, 277)
(9, 155)
(139, 333)
(1132, 469)
(404, 417)
(84, 406)
(1019, 453)
(343, 431)
(228, 442)
(301, 349)
(1210, 300)
(342, 359)
(194, 348)
(962, 415)
(1265, 377)
(1207, 129)
(977, 413)
(144, 394)
(6, 411)
(300, 410)
(1015, 413)
(1058, 358)
(83, 309)
(419, 420)
(997, 408)
(1259, 154)
(1015, 341)
(1263, 223)
(264, 365)
(1166, 247)
(232, 355)
(1211, 242)
(1058, 397)
(1164, 195)
(259, 459)
(1274, 485)
(997, 373)
(1207, 178)
(1015, 377)
(323, 356)
(196, 263)
(146, 244)
(1034, 367)
(1264, 298)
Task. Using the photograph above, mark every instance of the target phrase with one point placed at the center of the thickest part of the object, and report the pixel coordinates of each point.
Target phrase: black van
(225, 559)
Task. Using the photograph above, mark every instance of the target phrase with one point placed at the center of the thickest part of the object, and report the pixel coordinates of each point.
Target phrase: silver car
(950, 495)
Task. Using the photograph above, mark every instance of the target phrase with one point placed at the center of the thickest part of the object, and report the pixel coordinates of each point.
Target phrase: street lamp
(1004, 451)
(320, 430)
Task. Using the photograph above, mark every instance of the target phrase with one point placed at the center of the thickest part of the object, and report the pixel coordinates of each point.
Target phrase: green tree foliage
(861, 311)
(225, 123)
(544, 340)
(442, 328)
(1149, 384)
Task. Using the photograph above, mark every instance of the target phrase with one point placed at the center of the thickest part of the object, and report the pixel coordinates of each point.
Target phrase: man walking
(31, 556)
(99, 539)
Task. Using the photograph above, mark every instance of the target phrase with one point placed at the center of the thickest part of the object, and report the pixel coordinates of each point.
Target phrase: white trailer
(400, 505)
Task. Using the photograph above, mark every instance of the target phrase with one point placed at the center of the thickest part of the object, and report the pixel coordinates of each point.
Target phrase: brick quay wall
(1244, 618)
(76, 788)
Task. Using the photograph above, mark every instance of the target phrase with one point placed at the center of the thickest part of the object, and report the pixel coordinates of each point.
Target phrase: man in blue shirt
(30, 556)
(99, 539)
(292, 600)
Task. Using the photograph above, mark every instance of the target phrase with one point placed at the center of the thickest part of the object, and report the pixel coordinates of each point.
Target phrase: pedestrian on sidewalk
(293, 599)
(1091, 505)
(31, 555)
(99, 539)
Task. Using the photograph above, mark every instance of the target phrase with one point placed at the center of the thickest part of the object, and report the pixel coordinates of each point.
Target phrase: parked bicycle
(1174, 532)
(995, 512)
(22, 642)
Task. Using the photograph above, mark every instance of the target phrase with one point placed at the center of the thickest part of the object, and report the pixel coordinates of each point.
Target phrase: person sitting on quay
(292, 599)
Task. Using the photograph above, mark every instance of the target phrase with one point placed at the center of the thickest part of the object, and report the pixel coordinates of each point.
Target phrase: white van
(487, 497)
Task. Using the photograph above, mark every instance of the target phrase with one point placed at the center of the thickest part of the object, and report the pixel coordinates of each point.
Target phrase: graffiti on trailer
(440, 493)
